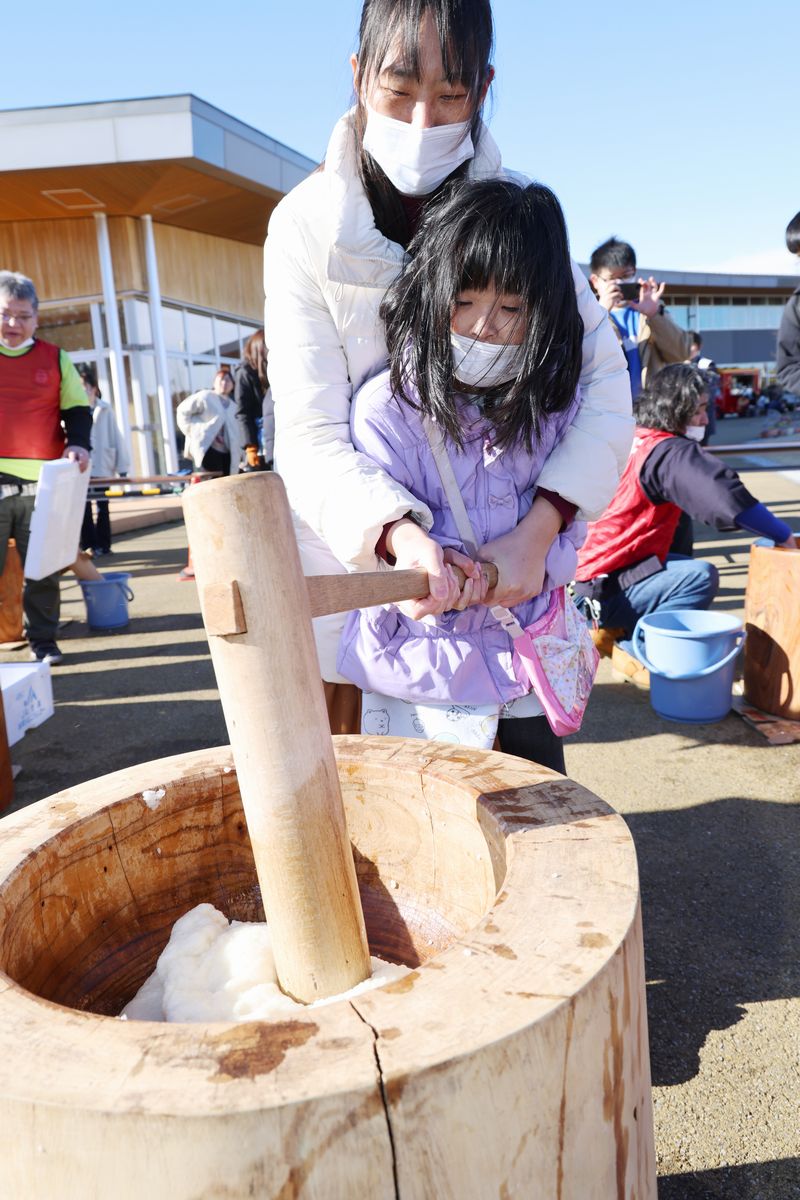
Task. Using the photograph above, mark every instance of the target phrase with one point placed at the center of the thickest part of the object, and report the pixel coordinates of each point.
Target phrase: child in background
(484, 341)
(109, 458)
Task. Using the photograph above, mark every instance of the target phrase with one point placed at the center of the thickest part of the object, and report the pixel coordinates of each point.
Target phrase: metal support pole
(159, 345)
(103, 377)
(116, 362)
(144, 428)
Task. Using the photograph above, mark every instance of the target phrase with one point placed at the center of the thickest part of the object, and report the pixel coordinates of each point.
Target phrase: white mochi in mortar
(215, 970)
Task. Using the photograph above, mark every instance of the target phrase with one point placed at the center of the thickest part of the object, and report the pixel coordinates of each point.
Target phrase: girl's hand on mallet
(520, 555)
(415, 550)
(475, 587)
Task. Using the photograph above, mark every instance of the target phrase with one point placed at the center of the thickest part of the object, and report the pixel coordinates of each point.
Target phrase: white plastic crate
(57, 517)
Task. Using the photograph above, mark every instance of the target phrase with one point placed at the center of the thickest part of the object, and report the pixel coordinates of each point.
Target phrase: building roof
(706, 282)
(178, 158)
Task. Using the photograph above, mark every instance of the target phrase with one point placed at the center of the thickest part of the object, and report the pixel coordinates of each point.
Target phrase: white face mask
(481, 364)
(416, 160)
(695, 433)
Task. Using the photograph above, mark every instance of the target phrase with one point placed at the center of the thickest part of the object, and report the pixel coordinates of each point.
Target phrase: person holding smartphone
(649, 338)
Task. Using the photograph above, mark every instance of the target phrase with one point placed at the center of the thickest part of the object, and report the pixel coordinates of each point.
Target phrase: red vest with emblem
(632, 527)
(30, 404)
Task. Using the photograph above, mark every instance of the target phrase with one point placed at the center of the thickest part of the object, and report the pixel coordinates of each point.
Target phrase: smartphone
(630, 291)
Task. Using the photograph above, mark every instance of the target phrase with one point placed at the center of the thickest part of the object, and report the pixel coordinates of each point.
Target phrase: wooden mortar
(772, 646)
(512, 1061)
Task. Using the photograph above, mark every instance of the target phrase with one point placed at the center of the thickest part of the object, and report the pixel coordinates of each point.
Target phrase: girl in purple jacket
(484, 342)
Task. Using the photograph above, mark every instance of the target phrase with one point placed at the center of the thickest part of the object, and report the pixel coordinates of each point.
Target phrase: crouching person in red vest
(44, 414)
(625, 565)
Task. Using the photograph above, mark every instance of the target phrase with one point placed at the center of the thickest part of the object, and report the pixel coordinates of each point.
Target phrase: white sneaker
(47, 652)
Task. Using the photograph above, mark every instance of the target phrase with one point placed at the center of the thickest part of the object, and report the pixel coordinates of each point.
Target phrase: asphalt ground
(713, 810)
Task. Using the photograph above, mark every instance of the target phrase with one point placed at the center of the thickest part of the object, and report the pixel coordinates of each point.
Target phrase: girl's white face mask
(695, 433)
(482, 364)
(416, 160)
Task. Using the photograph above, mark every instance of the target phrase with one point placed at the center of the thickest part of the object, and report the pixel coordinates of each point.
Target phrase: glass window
(178, 379)
(70, 328)
(172, 320)
(200, 333)
(135, 320)
(227, 338)
(203, 375)
(147, 380)
(680, 314)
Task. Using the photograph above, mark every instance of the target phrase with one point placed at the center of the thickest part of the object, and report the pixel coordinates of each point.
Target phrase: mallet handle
(256, 611)
(340, 593)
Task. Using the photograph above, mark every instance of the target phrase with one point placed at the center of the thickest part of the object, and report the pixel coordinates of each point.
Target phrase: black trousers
(40, 597)
(96, 534)
(532, 738)
(216, 460)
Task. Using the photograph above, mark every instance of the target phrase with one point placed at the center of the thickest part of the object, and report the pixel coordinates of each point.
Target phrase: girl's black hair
(466, 37)
(670, 399)
(479, 235)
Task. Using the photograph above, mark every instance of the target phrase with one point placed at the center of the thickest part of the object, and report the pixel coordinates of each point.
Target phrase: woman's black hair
(466, 37)
(670, 399)
(88, 375)
(477, 235)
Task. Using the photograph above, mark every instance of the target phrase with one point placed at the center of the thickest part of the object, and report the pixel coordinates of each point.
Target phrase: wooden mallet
(257, 610)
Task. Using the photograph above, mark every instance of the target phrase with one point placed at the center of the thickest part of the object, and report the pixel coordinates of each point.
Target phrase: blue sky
(672, 126)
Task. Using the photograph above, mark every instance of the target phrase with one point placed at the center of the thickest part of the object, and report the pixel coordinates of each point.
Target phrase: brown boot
(606, 639)
(628, 666)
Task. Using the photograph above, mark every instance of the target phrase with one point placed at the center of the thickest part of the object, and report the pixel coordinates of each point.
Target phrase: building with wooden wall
(142, 223)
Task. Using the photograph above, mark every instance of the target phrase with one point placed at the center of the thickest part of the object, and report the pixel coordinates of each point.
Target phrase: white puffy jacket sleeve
(586, 465)
(343, 496)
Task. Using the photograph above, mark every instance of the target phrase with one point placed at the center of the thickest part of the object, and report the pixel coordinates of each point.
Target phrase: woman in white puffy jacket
(335, 243)
(207, 419)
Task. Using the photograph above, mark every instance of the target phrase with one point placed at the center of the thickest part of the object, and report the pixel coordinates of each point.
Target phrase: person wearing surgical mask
(484, 343)
(625, 567)
(335, 244)
(648, 336)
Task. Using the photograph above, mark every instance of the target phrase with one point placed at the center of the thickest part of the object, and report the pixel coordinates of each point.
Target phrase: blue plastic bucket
(691, 657)
(107, 600)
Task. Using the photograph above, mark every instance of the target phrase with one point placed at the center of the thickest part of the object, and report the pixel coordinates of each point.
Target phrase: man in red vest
(44, 414)
(625, 564)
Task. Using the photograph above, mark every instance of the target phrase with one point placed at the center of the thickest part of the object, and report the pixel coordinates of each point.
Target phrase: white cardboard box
(27, 697)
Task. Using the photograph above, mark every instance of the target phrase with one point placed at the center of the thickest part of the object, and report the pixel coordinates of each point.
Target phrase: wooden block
(223, 611)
